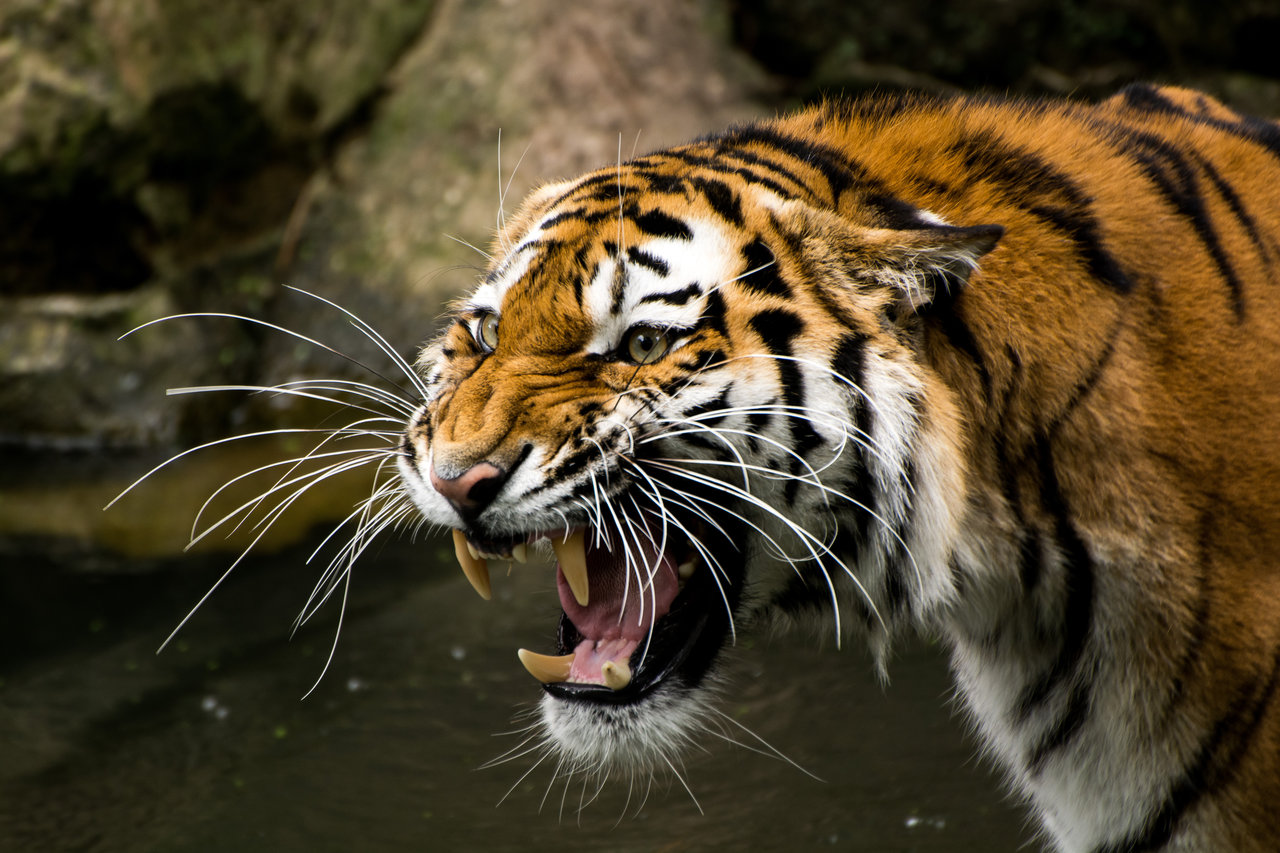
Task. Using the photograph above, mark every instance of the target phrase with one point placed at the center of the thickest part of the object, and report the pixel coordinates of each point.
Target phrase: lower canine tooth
(685, 570)
(476, 569)
(548, 669)
(571, 554)
(617, 674)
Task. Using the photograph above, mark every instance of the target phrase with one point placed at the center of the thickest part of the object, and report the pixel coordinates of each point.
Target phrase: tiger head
(699, 382)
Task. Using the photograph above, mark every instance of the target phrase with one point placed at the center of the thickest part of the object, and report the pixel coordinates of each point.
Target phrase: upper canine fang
(571, 554)
(475, 568)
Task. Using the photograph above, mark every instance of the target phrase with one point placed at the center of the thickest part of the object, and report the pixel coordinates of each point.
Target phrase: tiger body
(1004, 373)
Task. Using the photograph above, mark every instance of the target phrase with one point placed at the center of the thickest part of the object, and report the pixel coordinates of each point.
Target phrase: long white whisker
(216, 442)
(373, 335)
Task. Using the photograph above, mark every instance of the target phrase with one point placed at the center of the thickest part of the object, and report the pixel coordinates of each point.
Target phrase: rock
(193, 156)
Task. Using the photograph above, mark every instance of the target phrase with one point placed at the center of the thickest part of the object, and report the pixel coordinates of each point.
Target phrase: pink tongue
(621, 609)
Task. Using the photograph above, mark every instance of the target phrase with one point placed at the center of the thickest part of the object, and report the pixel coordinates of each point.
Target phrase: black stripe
(586, 274)
(617, 287)
(1146, 98)
(1066, 728)
(944, 312)
(661, 182)
(760, 419)
(849, 359)
(778, 327)
(1175, 179)
(1233, 201)
(723, 200)
(833, 167)
(705, 413)
(1031, 561)
(661, 224)
(1077, 608)
(713, 313)
(641, 258)
(1215, 764)
(1079, 224)
(565, 216)
(1086, 384)
(723, 165)
(708, 359)
(674, 297)
(893, 212)
(764, 276)
(1047, 193)
(883, 106)
(748, 158)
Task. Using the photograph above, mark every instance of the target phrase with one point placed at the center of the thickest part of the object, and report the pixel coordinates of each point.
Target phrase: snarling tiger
(1003, 372)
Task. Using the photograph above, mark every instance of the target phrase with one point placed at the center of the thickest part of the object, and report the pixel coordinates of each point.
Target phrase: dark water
(209, 746)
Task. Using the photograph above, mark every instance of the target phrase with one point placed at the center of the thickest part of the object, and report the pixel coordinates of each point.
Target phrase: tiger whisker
(680, 778)
(503, 190)
(765, 748)
(308, 479)
(471, 246)
(372, 334)
(365, 533)
(547, 752)
(739, 277)
(366, 529)
(282, 391)
(258, 322)
(337, 632)
(817, 550)
(293, 464)
(214, 443)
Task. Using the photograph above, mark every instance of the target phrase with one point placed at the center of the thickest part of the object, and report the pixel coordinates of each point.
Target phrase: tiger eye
(646, 344)
(487, 330)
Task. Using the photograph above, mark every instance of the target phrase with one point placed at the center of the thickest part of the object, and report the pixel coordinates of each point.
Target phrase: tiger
(1003, 373)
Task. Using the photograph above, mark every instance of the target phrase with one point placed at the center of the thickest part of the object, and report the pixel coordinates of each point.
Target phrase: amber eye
(645, 344)
(486, 331)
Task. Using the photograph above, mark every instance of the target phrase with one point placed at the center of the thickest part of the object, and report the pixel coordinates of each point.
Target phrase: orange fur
(1100, 415)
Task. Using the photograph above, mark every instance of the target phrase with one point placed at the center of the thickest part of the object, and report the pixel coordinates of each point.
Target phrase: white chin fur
(626, 740)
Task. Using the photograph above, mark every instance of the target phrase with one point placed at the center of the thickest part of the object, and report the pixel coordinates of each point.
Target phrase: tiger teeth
(549, 669)
(617, 674)
(685, 570)
(520, 553)
(473, 566)
(571, 554)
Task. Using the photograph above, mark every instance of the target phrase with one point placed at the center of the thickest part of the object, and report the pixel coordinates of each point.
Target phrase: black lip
(682, 644)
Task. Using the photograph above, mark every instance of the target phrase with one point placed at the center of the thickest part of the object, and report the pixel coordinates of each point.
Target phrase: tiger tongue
(621, 607)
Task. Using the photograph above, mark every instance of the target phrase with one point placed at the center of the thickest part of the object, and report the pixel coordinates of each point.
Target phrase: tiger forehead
(640, 261)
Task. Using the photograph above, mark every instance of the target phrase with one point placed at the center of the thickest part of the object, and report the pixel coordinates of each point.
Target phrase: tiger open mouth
(632, 618)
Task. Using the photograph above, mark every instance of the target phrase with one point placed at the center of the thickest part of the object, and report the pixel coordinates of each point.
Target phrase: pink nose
(473, 490)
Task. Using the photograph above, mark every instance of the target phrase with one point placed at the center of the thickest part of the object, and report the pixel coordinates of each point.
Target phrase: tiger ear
(919, 259)
(924, 265)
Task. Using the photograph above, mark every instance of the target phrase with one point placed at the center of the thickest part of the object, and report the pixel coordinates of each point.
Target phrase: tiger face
(1001, 373)
(705, 401)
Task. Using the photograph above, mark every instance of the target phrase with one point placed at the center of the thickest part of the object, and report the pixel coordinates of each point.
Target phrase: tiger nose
(473, 490)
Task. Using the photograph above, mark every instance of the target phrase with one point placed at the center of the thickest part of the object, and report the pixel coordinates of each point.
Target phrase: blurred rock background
(169, 156)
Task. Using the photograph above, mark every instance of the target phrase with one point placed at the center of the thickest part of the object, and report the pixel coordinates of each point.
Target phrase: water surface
(210, 745)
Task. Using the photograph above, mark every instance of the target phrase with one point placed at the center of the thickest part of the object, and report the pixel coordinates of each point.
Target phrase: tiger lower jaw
(628, 676)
